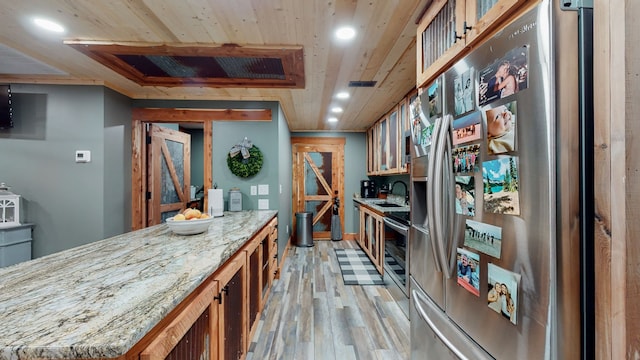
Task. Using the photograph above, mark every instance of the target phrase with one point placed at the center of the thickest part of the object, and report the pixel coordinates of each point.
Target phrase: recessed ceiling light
(345, 33)
(332, 119)
(49, 25)
(342, 95)
(336, 109)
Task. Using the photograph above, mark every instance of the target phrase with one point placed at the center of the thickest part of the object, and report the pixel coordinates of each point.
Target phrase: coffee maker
(368, 189)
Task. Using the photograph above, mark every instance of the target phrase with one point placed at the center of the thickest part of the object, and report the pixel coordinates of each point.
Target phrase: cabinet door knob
(219, 298)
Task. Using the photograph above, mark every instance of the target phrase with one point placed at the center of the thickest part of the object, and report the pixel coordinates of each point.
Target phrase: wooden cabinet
(371, 238)
(383, 148)
(405, 130)
(273, 254)
(255, 284)
(392, 152)
(451, 27)
(372, 148)
(218, 320)
(384, 139)
(232, 316)
(262, 263)
(192, 334)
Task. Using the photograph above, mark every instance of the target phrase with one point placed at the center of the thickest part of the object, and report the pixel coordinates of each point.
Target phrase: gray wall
(64, 199)
(285, 171)
(355, 169)
(117, 163)
(197, 156)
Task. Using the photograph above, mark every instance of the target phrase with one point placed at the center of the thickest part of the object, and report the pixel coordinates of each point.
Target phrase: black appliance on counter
(368, 189)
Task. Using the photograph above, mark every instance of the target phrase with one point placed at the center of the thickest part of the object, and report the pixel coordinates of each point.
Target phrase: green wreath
(245, 168)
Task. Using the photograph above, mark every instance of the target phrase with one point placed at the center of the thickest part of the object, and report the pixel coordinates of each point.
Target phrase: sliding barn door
(318, 176)
(169, 173)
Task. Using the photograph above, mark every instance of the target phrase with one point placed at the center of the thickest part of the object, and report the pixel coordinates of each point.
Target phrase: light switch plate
(254, 190)
(263, 204)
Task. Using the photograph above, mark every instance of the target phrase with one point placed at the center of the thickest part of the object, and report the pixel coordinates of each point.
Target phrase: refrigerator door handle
(418, 300)
(442, 212)
(449, 251)
(430, 193)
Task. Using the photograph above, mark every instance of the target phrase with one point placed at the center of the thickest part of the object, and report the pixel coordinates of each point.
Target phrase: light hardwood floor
(311, 314)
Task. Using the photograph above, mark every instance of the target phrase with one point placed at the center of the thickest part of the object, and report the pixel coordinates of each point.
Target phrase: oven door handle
(404, 230)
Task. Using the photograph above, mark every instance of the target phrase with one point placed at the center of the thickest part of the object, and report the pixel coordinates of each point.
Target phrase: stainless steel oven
(396, 229)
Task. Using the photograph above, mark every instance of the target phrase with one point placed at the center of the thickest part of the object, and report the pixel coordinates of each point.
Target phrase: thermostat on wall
(83, 156)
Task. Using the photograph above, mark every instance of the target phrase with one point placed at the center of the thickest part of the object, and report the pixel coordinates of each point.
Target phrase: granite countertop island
(98, 300)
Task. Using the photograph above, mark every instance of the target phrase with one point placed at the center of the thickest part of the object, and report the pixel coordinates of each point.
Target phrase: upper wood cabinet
(372, 148)
(450, 27)
(405, 131)
(385, 142)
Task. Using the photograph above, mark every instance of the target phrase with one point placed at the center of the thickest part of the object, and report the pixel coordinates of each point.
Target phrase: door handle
(430, 193)
(439, 196)
(447, 193)
(418, 299)
(453, 218)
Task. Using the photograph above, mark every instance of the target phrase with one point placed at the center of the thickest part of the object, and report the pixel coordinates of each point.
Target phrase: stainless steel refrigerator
(499, 186)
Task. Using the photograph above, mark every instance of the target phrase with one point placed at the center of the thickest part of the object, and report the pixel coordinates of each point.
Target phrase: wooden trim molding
(617, 190)
(200, 115)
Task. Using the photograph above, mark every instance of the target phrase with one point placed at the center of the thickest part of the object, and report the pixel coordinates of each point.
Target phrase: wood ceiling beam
(200, 115)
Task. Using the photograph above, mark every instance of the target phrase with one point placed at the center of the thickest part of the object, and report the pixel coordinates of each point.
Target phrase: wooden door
(169, 172)
(318, 177)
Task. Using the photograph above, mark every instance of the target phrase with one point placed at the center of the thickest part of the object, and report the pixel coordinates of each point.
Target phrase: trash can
(304, 229)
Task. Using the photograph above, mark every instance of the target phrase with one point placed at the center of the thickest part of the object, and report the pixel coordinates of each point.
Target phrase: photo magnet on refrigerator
(500, 183)
(483, 237)
(503, 292)
(468, 270)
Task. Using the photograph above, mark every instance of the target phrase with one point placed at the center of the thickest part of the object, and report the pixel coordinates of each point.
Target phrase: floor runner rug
(357, 269)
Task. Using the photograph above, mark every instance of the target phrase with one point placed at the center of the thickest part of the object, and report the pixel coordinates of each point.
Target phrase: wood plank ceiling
(382, 51)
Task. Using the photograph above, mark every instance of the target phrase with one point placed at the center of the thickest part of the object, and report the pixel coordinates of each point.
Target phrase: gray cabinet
(15, 244)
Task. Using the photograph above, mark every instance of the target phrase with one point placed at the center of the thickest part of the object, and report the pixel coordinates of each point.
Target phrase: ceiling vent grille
(371, 83)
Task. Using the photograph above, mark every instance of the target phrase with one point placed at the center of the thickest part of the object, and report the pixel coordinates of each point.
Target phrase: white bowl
(189, 227)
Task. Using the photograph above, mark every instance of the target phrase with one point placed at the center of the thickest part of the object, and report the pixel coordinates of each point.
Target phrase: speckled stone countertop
(98, 300)
(373, 203)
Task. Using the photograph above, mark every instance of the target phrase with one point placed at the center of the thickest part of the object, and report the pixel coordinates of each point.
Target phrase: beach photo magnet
(483, 237)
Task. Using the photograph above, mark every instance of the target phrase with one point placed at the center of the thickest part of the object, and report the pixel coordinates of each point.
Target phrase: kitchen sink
(388, 205)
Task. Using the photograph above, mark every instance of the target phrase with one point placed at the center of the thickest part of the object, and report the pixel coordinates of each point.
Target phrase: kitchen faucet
(406, 190)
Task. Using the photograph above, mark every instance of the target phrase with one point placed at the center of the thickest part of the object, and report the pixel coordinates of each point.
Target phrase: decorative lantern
(9, 207)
